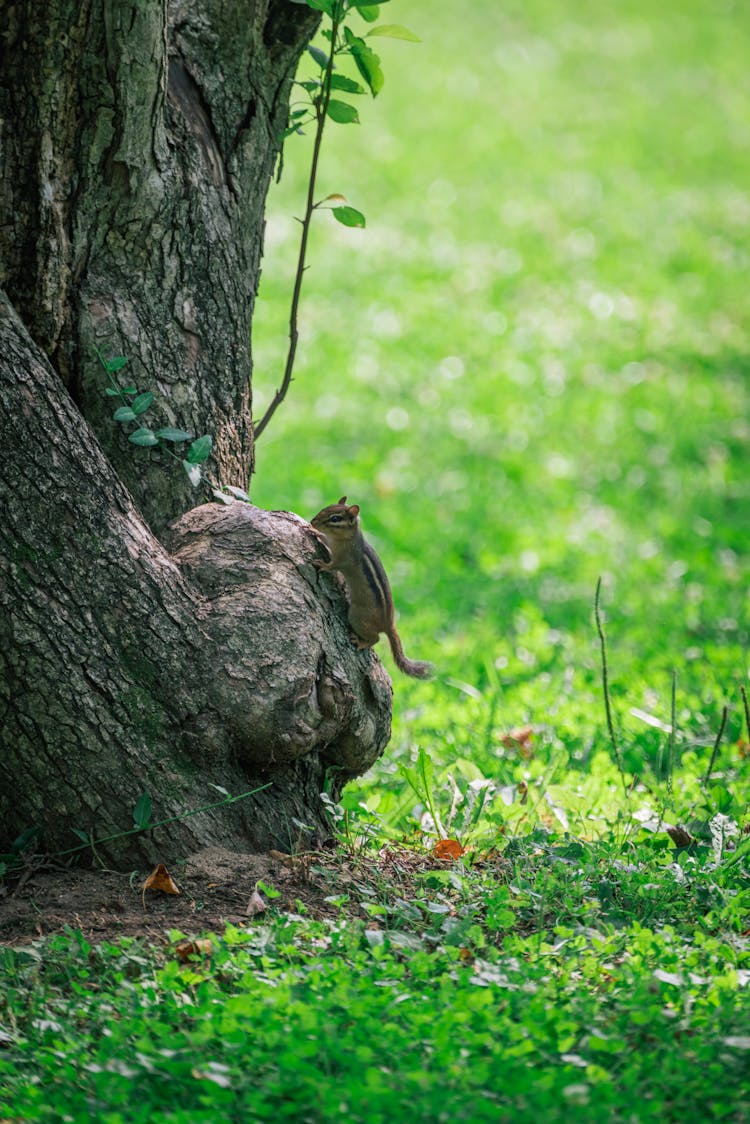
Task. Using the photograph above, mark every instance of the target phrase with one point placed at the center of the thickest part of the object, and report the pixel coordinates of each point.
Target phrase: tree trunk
(140, 139)
(139, 142)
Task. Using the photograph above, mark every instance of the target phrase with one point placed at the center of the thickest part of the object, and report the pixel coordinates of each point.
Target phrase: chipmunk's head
(338, 521)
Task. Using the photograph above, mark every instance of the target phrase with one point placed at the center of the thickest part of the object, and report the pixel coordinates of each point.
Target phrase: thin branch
(717, 743)
(321, 111)
(605, 685)
(93, 843)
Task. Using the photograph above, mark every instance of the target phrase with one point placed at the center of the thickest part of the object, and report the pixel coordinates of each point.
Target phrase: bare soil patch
(215, 887)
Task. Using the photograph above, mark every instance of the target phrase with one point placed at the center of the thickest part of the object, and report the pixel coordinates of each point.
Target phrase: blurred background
(531, 369)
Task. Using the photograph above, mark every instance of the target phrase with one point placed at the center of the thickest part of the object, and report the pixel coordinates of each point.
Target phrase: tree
(141, 658)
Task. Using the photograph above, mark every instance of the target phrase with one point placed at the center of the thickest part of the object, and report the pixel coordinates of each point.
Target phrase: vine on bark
(134, 403)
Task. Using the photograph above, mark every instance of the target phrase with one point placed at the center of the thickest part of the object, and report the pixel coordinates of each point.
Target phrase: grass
(558, 981)
(531, 371)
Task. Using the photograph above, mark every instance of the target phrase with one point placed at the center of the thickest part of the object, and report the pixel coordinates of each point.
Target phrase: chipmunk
(370, 599)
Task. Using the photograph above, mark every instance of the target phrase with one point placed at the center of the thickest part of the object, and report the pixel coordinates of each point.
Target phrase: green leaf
(124, 414)
(200, 450)
(238, 493)
(419, 777)
(194, 473)
(348, 216)
(130, 390)
(22, 841)
(142, 811)
(368, 12)
(140, 404)
(312, 85)
(79, 834)
(394, 31)
(335, 200)
(143, 437)
(367, 62)
(111, 392)
(170, 434)
(366, 3)
(320, 57)
(116, 363)
(269, 891)
(348, 85)
(321, 6)
(342, 112)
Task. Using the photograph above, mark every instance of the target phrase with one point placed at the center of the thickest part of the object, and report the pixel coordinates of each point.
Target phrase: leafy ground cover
(557, 980)
(531, 370)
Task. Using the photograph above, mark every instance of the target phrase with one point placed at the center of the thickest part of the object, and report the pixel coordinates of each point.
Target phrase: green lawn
(531, 371)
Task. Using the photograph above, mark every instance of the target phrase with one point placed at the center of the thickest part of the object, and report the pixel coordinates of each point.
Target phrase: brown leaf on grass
(160, 879)
(448, 850)
(185, 949)
(680, 836)
(520, 738)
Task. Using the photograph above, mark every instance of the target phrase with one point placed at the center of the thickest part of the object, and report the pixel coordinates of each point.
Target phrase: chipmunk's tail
(418, 669)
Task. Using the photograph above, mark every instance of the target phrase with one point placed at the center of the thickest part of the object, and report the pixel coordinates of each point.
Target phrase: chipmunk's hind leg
(364, 634)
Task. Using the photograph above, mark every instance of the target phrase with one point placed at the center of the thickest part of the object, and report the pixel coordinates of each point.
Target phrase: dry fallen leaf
(299, 864)
(520, 738)
(160, 879)
(185, 949)
(448, 850)
(281, 857)
(680, 836)
(257, 904)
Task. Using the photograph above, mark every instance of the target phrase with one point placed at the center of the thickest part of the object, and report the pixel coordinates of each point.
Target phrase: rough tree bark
(139, 139)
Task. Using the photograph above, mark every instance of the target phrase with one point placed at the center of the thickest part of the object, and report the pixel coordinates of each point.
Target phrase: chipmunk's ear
(353, 510)
(343, 499)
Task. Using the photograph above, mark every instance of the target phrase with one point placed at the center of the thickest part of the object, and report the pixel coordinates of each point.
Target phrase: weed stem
(672, 735)
(605, 685)
(717, 743)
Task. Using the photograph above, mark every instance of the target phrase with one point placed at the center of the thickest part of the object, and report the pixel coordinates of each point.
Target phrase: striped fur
(371, 609)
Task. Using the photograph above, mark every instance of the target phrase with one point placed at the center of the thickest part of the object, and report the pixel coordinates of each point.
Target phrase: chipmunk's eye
(335, 518)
